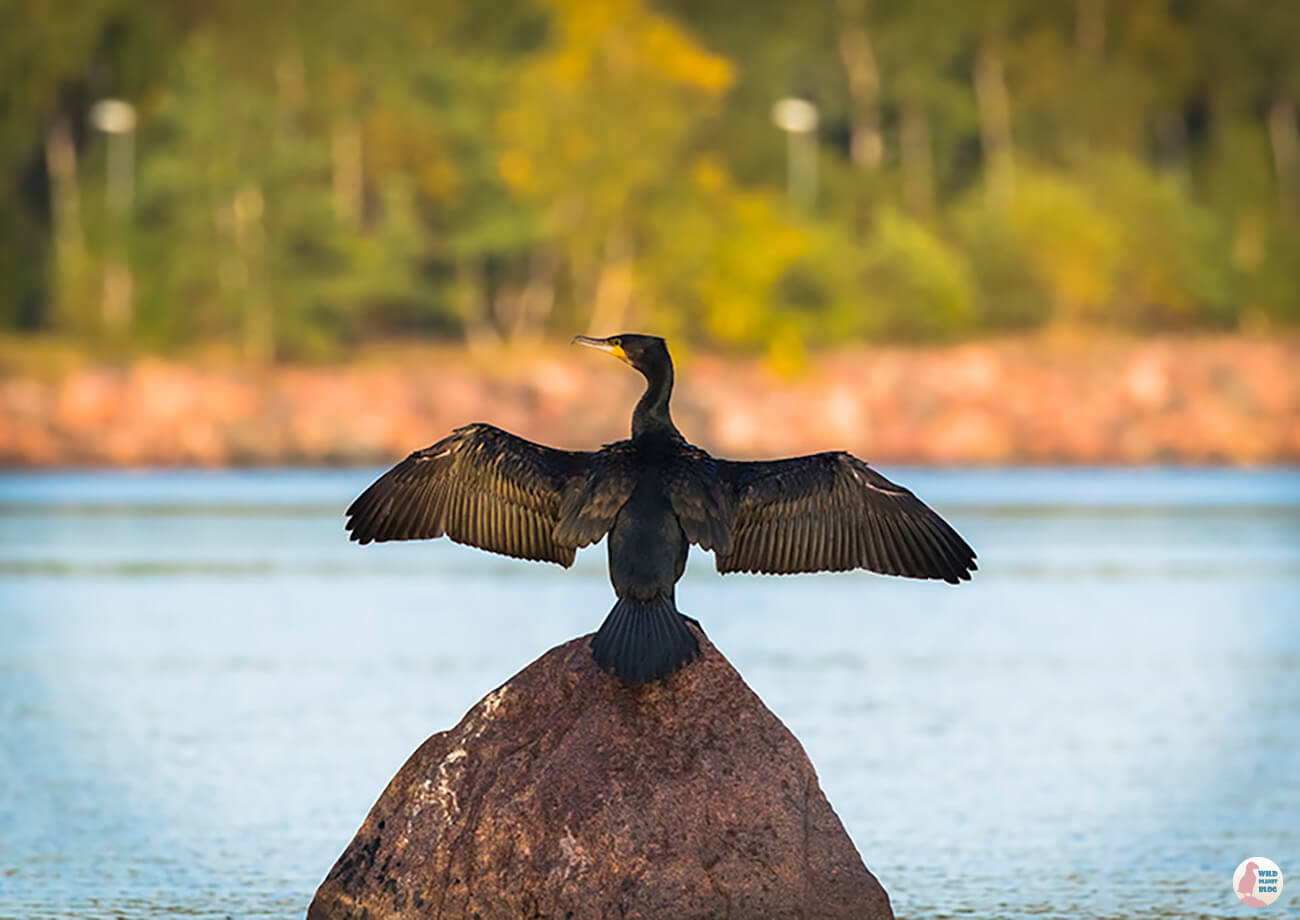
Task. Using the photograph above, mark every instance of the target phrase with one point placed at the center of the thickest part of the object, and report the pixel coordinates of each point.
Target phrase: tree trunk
(116, 295)
(65, 215)
(917, 162)
(1282, 135)
(536, 300)
(471, 297)
(290, 98)
(1090, 28)
(995, 125)
(866, 147)
(348, 176)
(1089, 43)
(1171, 130)
(250, 242)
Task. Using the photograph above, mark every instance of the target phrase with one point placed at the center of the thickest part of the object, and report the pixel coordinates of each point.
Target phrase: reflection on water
(203, 687)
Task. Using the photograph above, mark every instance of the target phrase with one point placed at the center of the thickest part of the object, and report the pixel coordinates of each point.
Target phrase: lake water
(204, 687)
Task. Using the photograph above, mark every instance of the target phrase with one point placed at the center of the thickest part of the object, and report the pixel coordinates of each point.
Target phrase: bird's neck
(651, 413)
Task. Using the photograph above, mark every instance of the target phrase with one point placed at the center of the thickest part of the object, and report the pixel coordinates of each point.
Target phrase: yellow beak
(603, 344)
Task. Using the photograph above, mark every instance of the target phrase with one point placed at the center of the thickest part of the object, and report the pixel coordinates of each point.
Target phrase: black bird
(654, 494)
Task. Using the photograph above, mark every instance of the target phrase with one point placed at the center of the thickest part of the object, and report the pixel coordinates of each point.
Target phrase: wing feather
(481, 486)
(831, 512)
(591, 502)
(699, 498)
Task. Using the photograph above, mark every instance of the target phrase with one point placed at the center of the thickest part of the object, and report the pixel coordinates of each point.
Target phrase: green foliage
(918, 286)
(306, 177)
(1118, 246)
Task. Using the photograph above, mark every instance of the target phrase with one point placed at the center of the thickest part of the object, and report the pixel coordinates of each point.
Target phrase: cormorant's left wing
(480, 485)
(832, 512)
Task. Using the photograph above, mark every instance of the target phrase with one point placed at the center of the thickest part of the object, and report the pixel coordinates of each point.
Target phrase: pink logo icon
(1257, 881)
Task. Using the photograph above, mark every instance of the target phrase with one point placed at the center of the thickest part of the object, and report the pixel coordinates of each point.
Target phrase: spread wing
(832, 512)
(479, 485)
(700, 499)
(591, 501)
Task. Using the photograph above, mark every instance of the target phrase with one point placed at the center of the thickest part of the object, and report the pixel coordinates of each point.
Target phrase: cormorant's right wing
(832, 512)
(481, 486)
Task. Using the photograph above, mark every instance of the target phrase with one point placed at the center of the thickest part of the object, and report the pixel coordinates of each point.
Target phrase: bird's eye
(616, 341)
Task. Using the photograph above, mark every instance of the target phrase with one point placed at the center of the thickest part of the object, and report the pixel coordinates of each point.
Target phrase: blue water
(204, 686)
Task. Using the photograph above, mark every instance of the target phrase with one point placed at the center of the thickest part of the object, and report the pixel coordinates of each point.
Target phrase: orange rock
(1026, 400)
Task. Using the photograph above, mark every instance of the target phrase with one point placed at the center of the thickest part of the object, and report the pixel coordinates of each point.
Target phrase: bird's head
(647, 353)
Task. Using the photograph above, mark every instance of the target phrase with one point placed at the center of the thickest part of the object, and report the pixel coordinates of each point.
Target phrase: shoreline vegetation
(784, 177)
(1033, 400)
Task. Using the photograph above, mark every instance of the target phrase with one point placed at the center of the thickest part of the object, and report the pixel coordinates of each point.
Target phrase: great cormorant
(654, 494)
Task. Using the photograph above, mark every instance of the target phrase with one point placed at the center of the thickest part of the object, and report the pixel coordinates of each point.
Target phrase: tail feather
(642, 641)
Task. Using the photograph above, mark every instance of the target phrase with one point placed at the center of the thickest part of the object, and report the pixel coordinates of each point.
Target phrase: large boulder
(566, 794)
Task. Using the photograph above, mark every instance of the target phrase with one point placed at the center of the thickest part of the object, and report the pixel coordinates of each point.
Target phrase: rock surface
(564, 794)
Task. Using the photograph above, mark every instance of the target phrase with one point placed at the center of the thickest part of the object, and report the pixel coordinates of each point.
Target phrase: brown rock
(564, 794)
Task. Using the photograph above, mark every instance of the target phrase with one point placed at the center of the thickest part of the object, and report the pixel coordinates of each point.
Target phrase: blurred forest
(290, 179)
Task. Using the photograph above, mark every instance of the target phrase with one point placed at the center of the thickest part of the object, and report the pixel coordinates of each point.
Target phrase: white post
(117, 120)
(798, 119)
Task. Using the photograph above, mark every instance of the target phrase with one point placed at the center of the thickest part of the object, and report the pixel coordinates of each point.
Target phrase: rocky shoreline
(1221, 400)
